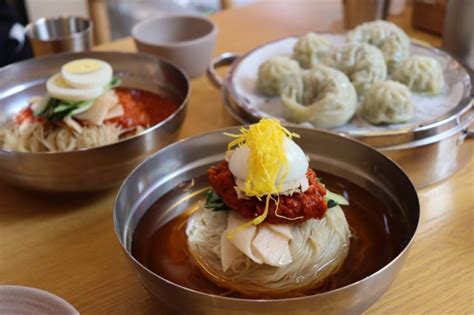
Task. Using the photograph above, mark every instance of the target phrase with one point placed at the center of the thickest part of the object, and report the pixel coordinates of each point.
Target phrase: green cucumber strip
(83, 106)
(339, 199)
(62, 107)
(116, 81)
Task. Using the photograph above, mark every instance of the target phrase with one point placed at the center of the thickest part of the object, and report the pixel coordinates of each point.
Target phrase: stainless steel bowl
(96, 168)
(187, 159)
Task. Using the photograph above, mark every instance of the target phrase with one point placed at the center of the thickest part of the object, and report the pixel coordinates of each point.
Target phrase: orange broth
(378, 237)
(142, 108)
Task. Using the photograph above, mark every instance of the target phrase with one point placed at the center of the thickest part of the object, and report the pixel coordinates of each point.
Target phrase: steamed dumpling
(420, 74)
(388, 37)
(279, 74)
(310, 49)
(388, 102)
(329, 99)
(364, 64)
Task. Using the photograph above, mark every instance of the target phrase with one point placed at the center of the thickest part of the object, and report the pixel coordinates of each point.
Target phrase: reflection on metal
(186, 198)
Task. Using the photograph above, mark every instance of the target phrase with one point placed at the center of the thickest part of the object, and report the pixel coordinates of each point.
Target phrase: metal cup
(60, 34)
(360, 11)
(458, 39)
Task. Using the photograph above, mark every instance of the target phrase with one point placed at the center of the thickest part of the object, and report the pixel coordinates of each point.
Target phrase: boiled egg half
(86, 73)
(80, 80)
(297, 164)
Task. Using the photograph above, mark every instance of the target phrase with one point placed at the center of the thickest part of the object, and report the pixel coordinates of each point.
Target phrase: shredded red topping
(26, 114)
(307, 205)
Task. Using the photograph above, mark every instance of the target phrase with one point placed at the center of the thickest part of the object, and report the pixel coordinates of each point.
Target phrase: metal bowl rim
(247, 300)
(180, 108)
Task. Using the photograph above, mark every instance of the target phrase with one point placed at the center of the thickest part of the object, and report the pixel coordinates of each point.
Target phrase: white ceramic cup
(186, 40)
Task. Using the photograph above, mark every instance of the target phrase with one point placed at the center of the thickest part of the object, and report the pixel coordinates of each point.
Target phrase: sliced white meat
(115, 112)
(96, 114)
(283, 229)
(101, 107)
(272, 246)
(72, 124)
(242, 237)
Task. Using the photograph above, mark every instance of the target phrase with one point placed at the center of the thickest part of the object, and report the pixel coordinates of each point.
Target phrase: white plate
(427, 108)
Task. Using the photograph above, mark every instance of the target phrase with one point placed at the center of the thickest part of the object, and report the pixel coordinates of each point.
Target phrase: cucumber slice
(83, 106)
(336, 197)
(61, 108)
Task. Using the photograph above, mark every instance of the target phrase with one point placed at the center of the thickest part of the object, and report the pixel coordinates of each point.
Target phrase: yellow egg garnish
(267, 159)
(81, 66)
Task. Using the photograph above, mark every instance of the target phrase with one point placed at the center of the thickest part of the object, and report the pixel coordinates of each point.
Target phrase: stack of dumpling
(322, 85)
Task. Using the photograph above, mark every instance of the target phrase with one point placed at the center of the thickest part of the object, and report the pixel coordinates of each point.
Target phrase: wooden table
(66, 244)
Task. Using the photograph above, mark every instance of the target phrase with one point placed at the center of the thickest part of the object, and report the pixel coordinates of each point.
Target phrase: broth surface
(143, 108)
(377, 238)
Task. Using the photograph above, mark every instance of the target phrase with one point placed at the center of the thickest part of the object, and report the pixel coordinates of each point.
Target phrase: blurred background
(123, 14)
(114, 19)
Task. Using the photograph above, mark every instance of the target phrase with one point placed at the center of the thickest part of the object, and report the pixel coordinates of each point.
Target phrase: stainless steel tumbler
(458, 34)
(60, 34)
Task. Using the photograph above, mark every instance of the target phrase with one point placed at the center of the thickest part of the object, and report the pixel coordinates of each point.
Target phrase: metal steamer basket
(427, 152)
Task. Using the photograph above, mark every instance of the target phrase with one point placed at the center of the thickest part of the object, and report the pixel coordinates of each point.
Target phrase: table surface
(66, 245)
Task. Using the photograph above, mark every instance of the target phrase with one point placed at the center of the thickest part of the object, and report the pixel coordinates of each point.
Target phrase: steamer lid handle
(225, 59)
(469, 120)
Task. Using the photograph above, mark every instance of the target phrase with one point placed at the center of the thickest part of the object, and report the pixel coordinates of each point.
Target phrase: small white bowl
(186, 40)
